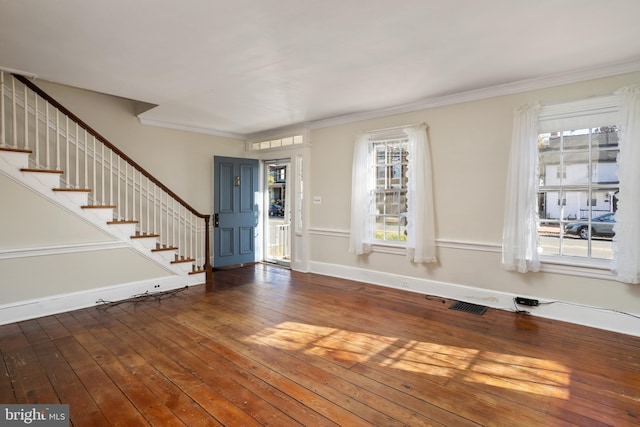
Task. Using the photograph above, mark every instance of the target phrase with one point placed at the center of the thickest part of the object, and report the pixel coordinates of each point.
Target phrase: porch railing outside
(279, 242)
(58, 140)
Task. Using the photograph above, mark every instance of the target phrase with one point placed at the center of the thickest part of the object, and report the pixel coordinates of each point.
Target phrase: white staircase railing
(32, 121)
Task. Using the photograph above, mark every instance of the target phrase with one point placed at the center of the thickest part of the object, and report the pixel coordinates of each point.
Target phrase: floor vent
(468, 307)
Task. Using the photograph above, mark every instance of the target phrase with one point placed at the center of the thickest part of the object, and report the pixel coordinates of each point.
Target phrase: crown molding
(190, 128)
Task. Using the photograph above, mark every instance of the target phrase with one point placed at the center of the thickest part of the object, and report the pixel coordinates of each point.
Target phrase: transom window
(578, 188)
(390, 192)
(277, 142)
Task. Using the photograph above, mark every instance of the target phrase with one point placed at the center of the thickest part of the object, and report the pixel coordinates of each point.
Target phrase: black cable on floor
(140, 298)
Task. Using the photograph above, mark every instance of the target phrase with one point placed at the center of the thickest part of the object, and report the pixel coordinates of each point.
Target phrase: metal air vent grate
(468, 307)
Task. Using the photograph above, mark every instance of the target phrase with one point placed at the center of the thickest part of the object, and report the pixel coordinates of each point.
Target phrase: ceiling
(244, 67)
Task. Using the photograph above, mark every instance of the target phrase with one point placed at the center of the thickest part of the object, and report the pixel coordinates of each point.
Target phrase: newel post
(207, 255)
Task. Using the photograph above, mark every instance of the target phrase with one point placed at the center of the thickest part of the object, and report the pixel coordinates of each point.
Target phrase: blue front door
(235, 210)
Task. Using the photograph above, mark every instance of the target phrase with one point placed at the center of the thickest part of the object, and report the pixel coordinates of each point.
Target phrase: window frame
(388, 167)
(281, 141)
(588, 113)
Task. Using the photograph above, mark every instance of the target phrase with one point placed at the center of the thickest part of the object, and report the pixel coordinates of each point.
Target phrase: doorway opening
(277, 233)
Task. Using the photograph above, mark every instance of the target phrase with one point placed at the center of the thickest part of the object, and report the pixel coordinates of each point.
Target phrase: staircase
(50, 150)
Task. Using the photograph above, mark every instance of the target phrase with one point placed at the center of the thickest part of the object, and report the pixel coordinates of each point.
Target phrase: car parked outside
(601, 226)
(276, 210)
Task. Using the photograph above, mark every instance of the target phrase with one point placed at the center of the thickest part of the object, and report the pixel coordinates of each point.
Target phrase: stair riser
(124, 229)
(167, 255)
(147, 242)
(184, 266)
(102, 215)
(48, 180)
(78, 198)
(15, 159)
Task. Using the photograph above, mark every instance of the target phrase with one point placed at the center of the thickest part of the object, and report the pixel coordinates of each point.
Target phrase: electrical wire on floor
(140, 298)
(517, 309)
(607, 310)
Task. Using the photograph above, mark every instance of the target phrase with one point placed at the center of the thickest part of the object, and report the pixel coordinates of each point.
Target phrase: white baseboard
(595, 317)
(31, 309)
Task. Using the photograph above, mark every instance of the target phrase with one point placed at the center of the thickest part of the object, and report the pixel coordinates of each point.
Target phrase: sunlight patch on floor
(429, 358)
(518, 373)
(322, 341)
(538, 376)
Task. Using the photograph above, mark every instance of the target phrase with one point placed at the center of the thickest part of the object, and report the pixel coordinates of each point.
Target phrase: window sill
(388, 248)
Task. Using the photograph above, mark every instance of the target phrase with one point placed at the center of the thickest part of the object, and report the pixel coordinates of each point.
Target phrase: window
(578, 186)
(392, 195)
(389, 213)
(568, 167)
(277, 143)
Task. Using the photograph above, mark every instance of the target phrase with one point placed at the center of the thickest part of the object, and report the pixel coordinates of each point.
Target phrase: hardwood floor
(273, 347)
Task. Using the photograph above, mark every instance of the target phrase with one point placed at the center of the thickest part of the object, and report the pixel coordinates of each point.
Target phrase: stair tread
(41, 170)
(142, 236)
(170, 248)
(133, 221)
(98, 207)
(16, 150)
(177, 261)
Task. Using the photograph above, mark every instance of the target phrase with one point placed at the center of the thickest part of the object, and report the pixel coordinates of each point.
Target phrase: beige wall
(37, 222)
(469, 147)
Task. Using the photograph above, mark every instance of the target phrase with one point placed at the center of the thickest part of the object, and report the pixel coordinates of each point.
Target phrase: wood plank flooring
(274, 347)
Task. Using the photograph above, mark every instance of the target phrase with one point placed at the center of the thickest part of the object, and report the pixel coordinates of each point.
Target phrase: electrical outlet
(405, 284)
(527, 301)
(156, 286)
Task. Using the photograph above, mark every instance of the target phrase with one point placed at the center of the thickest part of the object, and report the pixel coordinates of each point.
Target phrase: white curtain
(421, 242)
(420, 208)
(520, 233)
(627, 239)
(361, 197)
